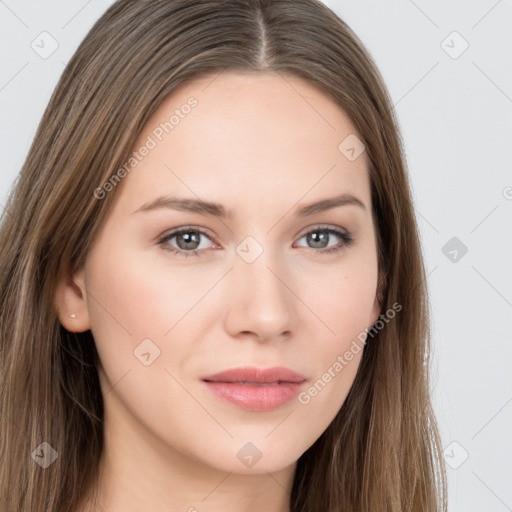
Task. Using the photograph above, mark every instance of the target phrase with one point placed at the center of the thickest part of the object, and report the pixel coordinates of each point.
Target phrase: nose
(260, 301)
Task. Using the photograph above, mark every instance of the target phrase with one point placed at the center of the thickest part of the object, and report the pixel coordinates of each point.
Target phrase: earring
(73, 315)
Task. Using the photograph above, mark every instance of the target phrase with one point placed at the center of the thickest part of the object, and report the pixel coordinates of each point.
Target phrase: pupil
(189, 239)
(314, 238)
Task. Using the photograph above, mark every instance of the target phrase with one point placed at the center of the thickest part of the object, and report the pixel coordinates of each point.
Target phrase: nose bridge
(261, 302)
(258, 267)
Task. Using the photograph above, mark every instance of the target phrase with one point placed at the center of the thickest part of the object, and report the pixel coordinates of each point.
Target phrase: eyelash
(345, 237)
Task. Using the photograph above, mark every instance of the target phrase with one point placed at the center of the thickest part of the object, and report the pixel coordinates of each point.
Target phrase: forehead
(248, 138)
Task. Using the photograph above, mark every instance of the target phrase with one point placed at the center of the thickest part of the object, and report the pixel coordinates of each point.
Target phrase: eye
(188, 240)
(320, 236)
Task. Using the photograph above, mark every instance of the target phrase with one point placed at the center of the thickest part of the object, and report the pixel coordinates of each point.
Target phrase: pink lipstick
(256, 389)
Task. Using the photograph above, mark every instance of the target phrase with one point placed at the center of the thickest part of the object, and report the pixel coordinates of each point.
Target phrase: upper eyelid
(319, 227)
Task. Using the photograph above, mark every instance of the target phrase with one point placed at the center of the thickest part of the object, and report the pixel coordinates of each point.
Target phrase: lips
(254, 389)
(250, 374)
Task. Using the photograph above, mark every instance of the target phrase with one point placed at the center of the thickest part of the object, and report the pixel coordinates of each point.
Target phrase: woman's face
(255, 287)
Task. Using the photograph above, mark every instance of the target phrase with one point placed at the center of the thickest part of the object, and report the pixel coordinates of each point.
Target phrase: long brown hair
(382, 451)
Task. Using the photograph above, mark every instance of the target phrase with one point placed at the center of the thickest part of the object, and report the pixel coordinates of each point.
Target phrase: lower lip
(255, 397)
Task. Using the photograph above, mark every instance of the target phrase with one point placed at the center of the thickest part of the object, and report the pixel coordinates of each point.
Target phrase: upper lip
(253, 374)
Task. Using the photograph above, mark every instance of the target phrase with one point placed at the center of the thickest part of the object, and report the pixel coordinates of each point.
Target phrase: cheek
(344, 306)
(134, 306)
(121, 300)
(335, 361)
(130, 296)
(134, 298)
(342, 298)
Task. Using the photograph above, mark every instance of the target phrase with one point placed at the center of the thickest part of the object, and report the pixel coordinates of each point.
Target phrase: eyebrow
(218, 210)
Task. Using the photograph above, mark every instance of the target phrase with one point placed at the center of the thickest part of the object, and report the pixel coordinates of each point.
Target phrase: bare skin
(262, 149)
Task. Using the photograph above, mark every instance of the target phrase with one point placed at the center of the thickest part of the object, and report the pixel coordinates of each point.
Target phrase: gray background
(455, 112)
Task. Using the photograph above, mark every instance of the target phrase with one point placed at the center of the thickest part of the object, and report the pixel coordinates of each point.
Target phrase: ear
(71, 301)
